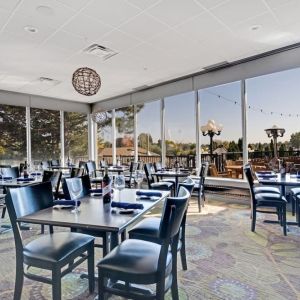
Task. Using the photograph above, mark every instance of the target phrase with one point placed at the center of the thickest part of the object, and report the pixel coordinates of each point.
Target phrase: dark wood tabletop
(94, 214)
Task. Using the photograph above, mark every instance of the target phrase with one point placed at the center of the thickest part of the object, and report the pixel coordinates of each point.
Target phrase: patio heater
(274, 133)
(211, 129)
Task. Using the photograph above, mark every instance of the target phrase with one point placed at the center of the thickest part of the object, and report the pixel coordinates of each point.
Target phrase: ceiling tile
(4, 15)
(200, 27)
(118, 41)
(60, 13)
(8, 4)
(277, 3)
(110, 12)
(144, 27)
(75, 4)
(86, 27)
(288, 14)
(143, 4)
(210, 3)
(174, 12)
(236, 11)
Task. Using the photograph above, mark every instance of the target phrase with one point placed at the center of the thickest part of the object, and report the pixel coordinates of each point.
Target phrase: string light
(252, 107)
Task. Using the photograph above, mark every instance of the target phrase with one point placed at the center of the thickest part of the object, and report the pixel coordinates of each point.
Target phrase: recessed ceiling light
(45, 10)
(255, 27)
(30, 29)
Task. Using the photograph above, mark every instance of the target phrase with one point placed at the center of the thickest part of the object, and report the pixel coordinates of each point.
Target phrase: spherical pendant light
(99, 117)
(86, 81)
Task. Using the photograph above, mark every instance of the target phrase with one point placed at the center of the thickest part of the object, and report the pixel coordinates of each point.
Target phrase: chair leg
(284, 219)
(56, 284)
(19, 280)
(101, 294)
(199, 200)
(51, 229)
(253, 220)
(42, 229)
(3, 212)
(297, 211)
(174, 286)
(160, 290)
(91, 269)
(293, 205)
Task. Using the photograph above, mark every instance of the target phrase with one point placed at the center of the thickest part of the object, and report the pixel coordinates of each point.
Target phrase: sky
(277, 93)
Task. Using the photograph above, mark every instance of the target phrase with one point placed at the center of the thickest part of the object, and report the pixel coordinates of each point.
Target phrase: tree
(282, 150)
(240, 144)
(145, 140)
(295, 140)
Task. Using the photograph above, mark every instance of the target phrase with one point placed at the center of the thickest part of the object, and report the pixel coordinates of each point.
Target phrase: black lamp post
(274, 133)
(211, 129)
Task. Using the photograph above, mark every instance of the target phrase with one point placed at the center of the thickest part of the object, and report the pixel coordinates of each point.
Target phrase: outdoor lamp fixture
(99, 117)
(86, 81)
(211, 129)
(274, 133)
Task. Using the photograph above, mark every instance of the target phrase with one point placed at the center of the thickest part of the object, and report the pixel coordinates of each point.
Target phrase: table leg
(114, 240)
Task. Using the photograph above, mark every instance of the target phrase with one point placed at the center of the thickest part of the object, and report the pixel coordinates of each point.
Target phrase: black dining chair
(92, 171)
(86, 187)
(45, 164)
(142, 262)
(55, 163)
(55, 178)
(297, 209)
(162, 185)
(157, 167)
(81, 164)
(262, 202)
(76, 172)
(51, 252)
(148, 229)
(129, 178)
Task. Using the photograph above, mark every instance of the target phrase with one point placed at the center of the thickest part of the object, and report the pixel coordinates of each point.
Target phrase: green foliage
(282, 150)
(295, 140)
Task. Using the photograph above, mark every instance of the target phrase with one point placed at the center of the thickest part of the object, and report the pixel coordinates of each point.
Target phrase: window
(13, 135)
(45, 134)
(222, 104)
(180, 132)
(76, 137)
(124, 139)
(104, 139)
(148, 131)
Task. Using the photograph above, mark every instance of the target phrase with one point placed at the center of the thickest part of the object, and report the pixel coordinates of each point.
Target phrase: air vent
(219, 65)
(139, 88)
(48, 81)
(100, 51)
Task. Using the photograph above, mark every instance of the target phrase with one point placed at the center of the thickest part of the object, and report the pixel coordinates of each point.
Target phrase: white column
(135, 134)
(244, 120)
(162, 132)
(114, 136)
(28, 134)
(62, 138)
(91, 137)
(198, 132)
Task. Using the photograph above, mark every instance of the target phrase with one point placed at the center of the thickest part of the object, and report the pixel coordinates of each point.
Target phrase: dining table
(98, 216)
(172, 174)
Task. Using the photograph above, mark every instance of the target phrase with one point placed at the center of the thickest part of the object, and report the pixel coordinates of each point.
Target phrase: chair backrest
(55, 162)
(81, 164)
(157, 166)
(103, 163)
(148, 173)
(85, 186)
(213, 170)
(47, 175)
(10, 172)
(173, 213)
(249, 177)
(27, 200)
(189, 184)
(76, 172)
(45, 164)
(91, 167)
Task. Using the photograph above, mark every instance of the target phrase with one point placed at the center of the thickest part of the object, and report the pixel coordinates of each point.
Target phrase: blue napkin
(295, 176)
(6, 177)
(268, 175)
(264, 172)
(149, 193)
(96, 191)
(36, 174)
(66, 202)
(25, 179)
(127, 205)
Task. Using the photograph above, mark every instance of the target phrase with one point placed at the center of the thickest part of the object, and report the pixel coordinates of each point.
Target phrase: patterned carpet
(225, 259)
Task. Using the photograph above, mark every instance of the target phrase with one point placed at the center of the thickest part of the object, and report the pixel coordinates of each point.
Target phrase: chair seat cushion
(55, 247)
(266, 189)
(133, 261)
(269, 199)
(295, 191)
(162, 185)
(147, 229)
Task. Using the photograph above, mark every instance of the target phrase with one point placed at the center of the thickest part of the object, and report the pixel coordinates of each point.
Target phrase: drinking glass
(76, 190)
(119, 183)
(139, 177)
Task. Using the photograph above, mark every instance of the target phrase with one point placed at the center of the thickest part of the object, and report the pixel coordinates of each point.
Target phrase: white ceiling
(156, 40)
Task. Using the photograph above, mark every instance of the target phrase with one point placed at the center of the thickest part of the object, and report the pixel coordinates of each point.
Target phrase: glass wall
(45, 134)
(273, 99)
(13, 135)
(104, 139)
(148, 131)
(180, 130)
(76, 137)
(221, 110)
(124, 134)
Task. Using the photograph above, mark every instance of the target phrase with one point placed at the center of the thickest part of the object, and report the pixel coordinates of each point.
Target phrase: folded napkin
(6, 177)
(295, 176)
(149, 193)
(25, 179)
(36, 174)
(96, 191)
(268, 175)
(264, 172)
(66, 202)
(127, 205)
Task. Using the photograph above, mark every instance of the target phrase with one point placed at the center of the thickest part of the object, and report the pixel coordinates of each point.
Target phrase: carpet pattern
(225, 259)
